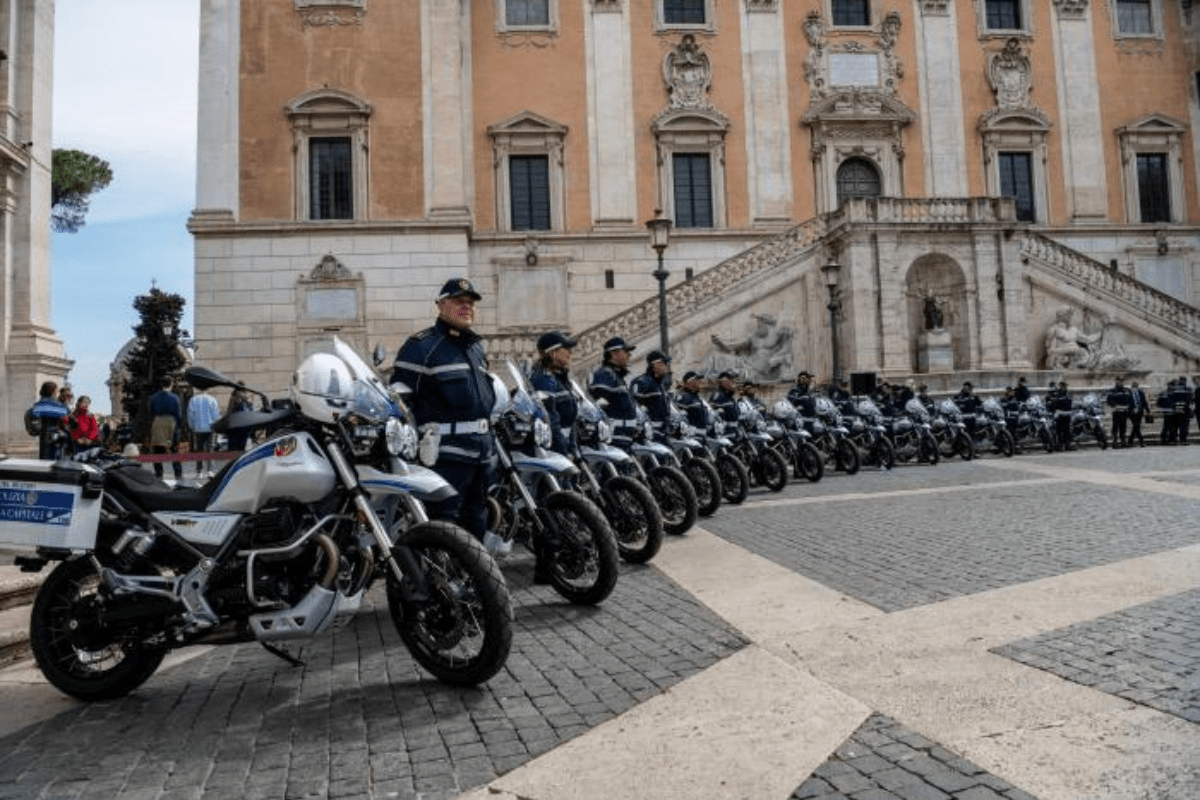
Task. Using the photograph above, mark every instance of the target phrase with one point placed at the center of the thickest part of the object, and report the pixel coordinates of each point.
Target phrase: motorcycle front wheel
(809, 462)
(75, 649)
(846, 456)
(707, 484)
(773, 470)
(1004, 444)
(675, 497)
(735, 480)
(583, 565)
(883, 454)
(964, 447)
(461, 632)
(635, 519)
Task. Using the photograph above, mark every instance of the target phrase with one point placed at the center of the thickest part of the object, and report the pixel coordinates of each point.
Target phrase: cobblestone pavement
(361, 720)
(1149, 654)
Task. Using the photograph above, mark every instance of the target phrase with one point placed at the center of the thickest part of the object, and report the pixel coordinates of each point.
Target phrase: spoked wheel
(929, 451)
(1004, 444)
(461, 631)
(675, 497)
(772, 469)
(1047, 441)
(735, 480)
(635, 519)
(883, 454)
(1102, 439)
(846, 456)
(583, 565)
(74, 645)
(707, 484)
(809, 462)
(964, 447)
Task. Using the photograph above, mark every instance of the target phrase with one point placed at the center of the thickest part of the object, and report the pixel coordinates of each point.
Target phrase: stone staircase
(17, 590)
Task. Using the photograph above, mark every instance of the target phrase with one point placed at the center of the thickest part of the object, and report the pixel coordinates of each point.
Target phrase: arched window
(857, 177)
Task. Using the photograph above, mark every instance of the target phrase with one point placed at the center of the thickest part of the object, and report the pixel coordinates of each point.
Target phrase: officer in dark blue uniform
(648, 389)
(608, 389)
(445, 370)
(1060, 402)
(801, 396)
(1119, 399)
(724, 399)
(551, 377)
(690, 403)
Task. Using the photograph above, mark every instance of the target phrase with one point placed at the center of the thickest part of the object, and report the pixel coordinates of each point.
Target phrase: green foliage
(157, 353)
(74, 177)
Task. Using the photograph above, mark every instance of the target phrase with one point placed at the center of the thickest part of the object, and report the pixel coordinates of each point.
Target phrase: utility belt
(461, 428)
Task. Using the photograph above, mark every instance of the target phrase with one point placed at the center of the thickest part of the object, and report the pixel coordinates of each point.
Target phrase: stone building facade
(32, 351)
(998, 160)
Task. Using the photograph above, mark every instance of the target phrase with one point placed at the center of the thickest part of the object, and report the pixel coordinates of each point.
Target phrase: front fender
(412, 479)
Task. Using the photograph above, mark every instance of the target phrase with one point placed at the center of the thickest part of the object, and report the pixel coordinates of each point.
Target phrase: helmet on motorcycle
(323, 387)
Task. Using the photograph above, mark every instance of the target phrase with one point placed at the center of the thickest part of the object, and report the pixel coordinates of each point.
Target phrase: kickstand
(284, 654)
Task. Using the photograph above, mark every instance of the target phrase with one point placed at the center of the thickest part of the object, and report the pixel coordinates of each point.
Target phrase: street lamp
(830, 271)
(660, 231)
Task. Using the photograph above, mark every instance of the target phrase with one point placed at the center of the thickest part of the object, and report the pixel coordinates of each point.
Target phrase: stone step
(17, 590)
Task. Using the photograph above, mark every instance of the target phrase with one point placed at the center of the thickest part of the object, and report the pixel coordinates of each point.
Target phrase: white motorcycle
(281, 546)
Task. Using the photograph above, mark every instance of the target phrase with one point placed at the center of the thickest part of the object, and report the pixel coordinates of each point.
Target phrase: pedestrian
(444, 370)
(552, 376)
(239, 400)
(1139, 409)
(609, 389)
(49, 418)
(1119, 400)
(83, 426)
(166, 418)
(202, 412)
(649, 392)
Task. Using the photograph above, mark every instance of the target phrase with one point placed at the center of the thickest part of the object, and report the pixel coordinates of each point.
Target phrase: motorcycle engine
(273, 526)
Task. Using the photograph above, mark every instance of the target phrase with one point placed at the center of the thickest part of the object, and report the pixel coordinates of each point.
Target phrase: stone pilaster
(446, 78)
(611, 134)
(768, 134)
(217, 114)
(1079, 99)
(942, 120)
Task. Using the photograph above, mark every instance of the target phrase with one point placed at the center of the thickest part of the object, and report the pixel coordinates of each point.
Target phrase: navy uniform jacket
(690, 404)
(447, 371)
(608, 384)
(560, 404)
(648, 391)
(802, 399)
(1119, 399)
(725, 404)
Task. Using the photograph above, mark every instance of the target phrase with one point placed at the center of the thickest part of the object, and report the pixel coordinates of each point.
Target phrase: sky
(124, 90)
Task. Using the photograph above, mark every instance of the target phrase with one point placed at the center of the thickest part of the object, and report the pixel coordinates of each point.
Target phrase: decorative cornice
(1071, 9)
(935, 8)
(606, 6)
(767, 6)
(329, 269)
(330, 13)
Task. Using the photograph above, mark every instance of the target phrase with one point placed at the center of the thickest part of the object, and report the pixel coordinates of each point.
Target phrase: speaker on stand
(862, 383)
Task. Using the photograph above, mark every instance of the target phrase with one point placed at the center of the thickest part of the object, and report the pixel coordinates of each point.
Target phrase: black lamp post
(660, 231)
(830, 271)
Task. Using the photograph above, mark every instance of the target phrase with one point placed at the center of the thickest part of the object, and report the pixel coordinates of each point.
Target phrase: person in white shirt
(202, 412)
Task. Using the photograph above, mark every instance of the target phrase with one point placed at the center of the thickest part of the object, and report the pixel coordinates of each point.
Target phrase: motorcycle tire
(928, 452)
(964, 447)
(735, 480)
(707, 483)
(1102, 439)
(773, 470)
(676, 499)
(1004, 444)
(1047, 441)
(883, 454)
(846, 456)
(809, 462)
(634, 517)
(462, 633)
(76, 652)
(583, 566)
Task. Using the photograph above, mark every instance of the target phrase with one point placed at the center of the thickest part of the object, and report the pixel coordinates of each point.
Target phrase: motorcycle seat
(154, 495)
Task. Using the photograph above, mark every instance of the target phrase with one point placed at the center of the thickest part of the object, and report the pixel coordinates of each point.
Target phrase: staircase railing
(1105, 281)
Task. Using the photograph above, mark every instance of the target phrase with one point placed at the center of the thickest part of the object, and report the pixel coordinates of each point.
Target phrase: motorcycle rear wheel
(809, 462)
(635, 519)
(462, 633)
(707, 484)
(735, 480)
(675, 497)
(583, 565)
(73, 648)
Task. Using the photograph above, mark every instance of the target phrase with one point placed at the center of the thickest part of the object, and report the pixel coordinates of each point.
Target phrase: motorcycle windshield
(371, 400)
(521, 399)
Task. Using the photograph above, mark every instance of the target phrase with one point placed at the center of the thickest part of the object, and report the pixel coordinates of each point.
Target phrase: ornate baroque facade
(354, 154)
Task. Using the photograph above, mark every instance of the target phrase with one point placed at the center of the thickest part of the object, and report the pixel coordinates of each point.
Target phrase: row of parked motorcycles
(285, 542)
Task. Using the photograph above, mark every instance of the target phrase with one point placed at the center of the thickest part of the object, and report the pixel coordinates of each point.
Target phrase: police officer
(648, 389)
(551, 376)
(445, 370)
(968, 404)
(609, 389)
(800, 395)
(724, 398)
(1138, 408)
(1119, 400)
(690, 403)
(1021, 392)
(1060, 403)
(1181, 407)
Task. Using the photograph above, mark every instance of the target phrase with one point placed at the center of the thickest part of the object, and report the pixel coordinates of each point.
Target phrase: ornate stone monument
(935, 345)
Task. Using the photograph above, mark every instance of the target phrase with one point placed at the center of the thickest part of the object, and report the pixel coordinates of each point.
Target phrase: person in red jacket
(85, 430)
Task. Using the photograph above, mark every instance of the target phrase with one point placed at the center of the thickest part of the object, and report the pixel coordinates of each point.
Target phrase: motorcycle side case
(51, 504)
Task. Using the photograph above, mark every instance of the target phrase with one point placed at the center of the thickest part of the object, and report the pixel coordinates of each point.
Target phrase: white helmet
(323, 387)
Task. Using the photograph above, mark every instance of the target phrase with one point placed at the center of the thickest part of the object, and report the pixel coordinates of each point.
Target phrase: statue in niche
(1010, 74)
(764, 356)
(688, 74)
(933, 313)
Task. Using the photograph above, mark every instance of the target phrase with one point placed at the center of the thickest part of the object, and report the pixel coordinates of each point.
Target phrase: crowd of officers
(445, 371)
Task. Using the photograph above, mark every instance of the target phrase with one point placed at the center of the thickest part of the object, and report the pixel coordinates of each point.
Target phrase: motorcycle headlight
(401, 438)
(541, 433)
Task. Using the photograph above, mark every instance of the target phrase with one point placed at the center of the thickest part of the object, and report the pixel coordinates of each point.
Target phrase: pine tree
(157, 353)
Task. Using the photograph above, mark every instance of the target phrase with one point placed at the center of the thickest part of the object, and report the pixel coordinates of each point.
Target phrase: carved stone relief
(1071, 9)
(1011, 75)
(935, 8)
(763, 354)
(762, 5)
(330, 13)
(1069, 347)
(851, 65)
(688, 75)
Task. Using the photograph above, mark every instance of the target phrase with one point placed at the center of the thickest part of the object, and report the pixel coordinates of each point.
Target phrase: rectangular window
(683, 12)
(1134, 16)
(529, 192)
(1004, 15)
(527, 13)
(1154, 194)
(851, 12)
(692, 175)
(1016, 180)
(330, 189)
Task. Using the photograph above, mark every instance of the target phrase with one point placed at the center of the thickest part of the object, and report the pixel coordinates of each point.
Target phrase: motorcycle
(950, 432)
(672, 490)
(281, 546)
(831, 437)
(794, 443)
(870, 435)
(732, 473)
(694, 459)
(1087, 421)
(988, 430)
(1031, 422)
(912, 434)
(610, 478)
(752, 445)
(529, 504)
